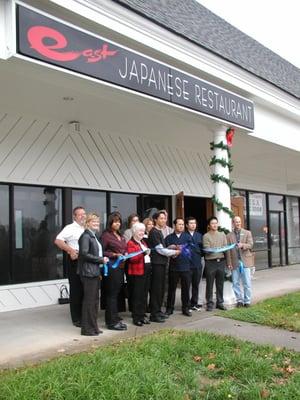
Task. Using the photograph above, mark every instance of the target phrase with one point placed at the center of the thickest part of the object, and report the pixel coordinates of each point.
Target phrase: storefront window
(126, 204)
(293, 229)
(91, 201)
(37, 220)
(4, 234)
(275, 203)
(259, 228)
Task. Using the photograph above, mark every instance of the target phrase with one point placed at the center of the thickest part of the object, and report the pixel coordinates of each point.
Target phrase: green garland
(222, 161)
(220, 206)
(220, 178)
(222, 146)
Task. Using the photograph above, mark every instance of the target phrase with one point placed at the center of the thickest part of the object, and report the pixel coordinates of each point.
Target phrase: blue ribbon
(186, 250)
(219, 249)
(119, 260)
(241, 266)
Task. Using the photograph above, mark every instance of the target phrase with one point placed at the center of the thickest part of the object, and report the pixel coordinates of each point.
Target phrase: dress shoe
(209, 309)
(117, 327)
(145, 321)
(157, 318)
(239, 304)
(221, 307)
(187, 313)
(138, 323)
(99, 331)
(196, 308)
(169, 311)
(89, 333)
(77, 324)
(247, 305)
(122, 324)
(163, 315)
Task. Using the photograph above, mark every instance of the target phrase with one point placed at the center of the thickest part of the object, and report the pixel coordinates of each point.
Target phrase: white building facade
(104, 107)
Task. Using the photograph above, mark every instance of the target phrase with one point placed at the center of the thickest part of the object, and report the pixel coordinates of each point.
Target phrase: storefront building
(112, 105)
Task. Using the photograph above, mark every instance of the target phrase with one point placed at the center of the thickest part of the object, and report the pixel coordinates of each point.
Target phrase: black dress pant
(196, 274)
(185, 280)
(214, 271)
(90, 305)
(76, 290)
(113, 286)
(157, 288)
(139, 288)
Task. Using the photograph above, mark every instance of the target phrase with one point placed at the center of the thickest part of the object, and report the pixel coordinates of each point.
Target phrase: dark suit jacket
(179, 263)
(196, 249)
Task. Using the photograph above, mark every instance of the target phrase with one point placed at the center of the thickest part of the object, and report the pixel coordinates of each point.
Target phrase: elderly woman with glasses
(139, 271)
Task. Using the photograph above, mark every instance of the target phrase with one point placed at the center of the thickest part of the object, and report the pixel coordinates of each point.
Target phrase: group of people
(151, 258)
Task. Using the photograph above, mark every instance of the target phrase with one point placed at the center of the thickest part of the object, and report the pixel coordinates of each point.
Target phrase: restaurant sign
(55, 42)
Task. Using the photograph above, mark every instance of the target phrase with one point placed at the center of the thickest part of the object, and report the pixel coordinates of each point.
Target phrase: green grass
(169, 365)
(280, 312)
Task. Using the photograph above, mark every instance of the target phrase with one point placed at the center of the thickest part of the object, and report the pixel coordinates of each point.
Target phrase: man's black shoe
(163, 315)
(169, 311)
(247, 305)
(145, 321)
(209, 309)
(221, 307)
(117, 327)
(138, 323)
(187, 313)
(77, 324)
(90, 333)
(157, 318)
(239, 304)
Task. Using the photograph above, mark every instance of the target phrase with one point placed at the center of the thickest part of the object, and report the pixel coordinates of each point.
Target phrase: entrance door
(180, 205)
(199, 208)
(276, 239)
(237, 205)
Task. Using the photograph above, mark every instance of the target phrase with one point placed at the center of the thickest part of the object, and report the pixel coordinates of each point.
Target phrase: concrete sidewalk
(28, 336)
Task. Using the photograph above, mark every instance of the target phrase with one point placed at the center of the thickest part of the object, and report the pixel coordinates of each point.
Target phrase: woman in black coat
(89, 263)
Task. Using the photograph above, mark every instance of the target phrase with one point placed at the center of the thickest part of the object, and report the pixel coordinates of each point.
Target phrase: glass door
(276, 238)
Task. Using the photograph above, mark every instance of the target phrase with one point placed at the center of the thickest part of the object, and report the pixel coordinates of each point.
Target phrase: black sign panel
(56, 43)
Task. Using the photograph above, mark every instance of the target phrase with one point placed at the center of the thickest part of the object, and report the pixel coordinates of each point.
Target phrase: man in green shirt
(215, 264)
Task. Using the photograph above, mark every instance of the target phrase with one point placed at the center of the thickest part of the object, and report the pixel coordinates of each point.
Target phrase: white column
(222, 193)
(221, 189)
(7, 29)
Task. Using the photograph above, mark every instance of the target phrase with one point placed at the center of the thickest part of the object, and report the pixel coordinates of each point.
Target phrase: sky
(275, 24)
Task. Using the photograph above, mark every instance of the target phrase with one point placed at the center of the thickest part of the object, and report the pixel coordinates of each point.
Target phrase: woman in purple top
(114, 245)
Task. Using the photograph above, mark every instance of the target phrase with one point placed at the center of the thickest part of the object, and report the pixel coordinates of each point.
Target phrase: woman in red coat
(139, 272)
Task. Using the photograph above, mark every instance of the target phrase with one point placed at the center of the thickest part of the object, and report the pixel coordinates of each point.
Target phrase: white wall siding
(29, 295)
(34, 151)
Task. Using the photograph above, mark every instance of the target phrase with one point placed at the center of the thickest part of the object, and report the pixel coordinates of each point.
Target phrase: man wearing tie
(241, 262)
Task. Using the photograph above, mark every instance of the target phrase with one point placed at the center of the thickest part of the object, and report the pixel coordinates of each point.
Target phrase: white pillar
(221, 189)
(7, 29)
(222, 194)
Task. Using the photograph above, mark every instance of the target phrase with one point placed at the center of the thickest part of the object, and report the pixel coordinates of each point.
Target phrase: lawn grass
(280, 312)
(169, 365)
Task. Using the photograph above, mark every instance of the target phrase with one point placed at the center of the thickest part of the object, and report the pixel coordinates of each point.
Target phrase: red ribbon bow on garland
(229, 136)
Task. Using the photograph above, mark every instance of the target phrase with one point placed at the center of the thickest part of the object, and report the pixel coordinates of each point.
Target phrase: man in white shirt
(67, 240)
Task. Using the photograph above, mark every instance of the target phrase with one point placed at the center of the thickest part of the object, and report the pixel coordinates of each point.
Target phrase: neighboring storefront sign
(57, 43)
(256, 204)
